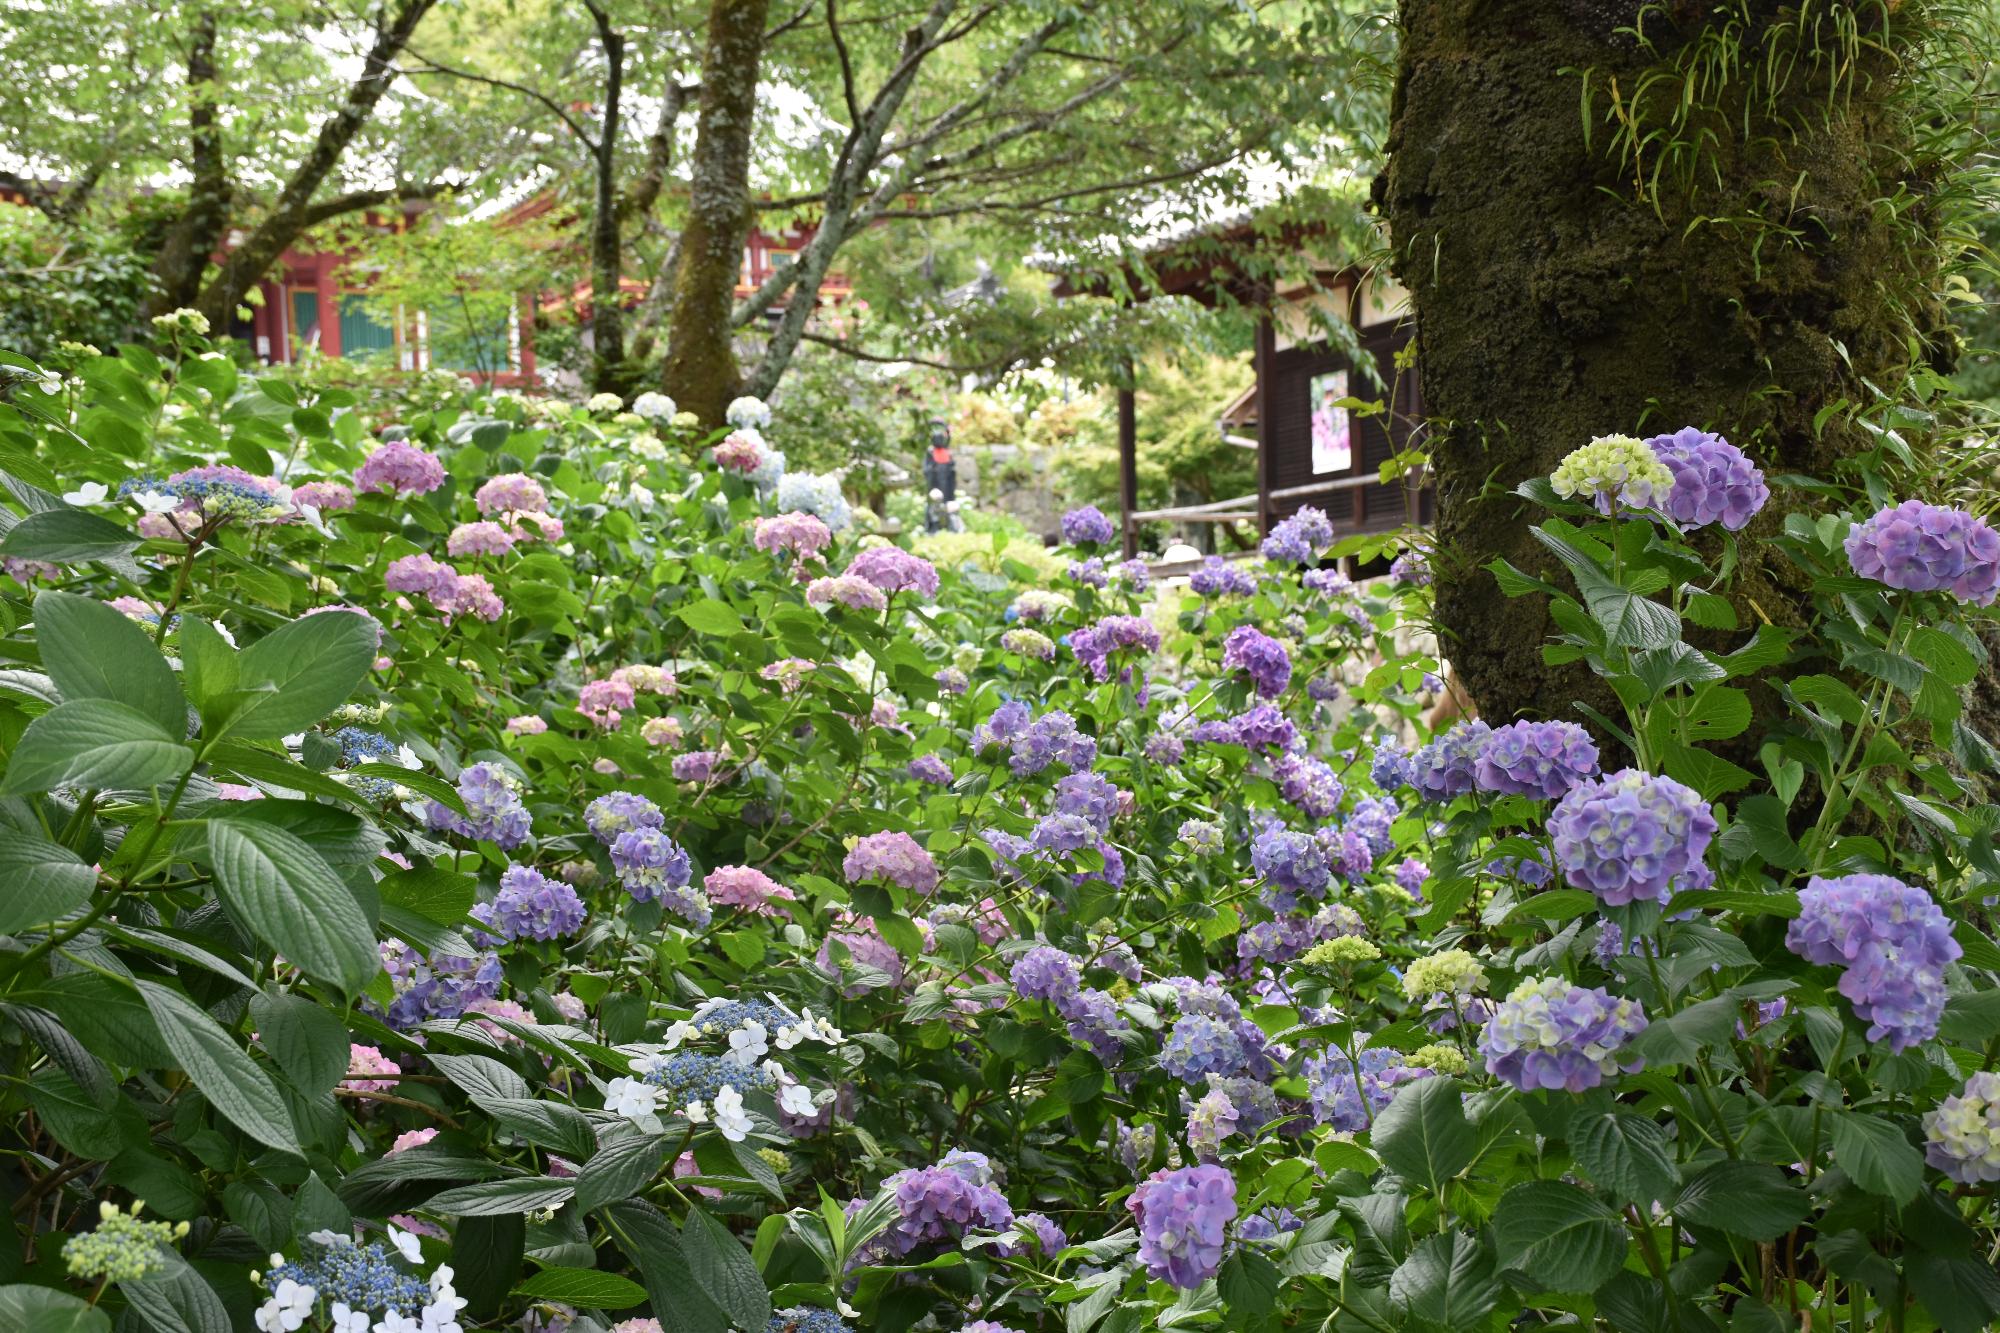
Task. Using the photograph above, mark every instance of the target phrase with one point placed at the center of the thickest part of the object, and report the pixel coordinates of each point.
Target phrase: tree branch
(846, 348)
(846, 63)
(355, 201)
(549, 104)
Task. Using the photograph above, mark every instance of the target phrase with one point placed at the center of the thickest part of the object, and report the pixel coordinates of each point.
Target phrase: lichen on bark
(1567, 287)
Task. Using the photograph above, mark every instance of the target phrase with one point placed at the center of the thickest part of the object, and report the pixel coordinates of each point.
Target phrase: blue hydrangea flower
(493, 812)
(619, 812)
(1714, 481)
(531, 906)
(1447, 767)
(1294, 862)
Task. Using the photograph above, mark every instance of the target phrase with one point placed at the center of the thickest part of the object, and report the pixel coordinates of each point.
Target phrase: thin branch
(471, 76)
(789, 23)
(846, 63)
(357, 200)
(846, 348)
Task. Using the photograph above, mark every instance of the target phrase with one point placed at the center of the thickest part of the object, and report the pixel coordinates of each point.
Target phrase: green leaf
(46, 1310)
(650, 1242)
(226, 1075)
(1447, 1280)
(308, 1042)
(94, 652)
(619, 1170)
(298, 673)
(1748, 1199)
(486, 1254)
(722, 1270)
(517, 1194)
(1423, 1135)
(1557, 1235)
(710, 616)
(208, 664)
(43, 881)
(99, 744)
(1877, 1155)
(283, 892)
(1961, 1291)
(68, 537)
(1249, 1283)
(176, 1299)
(1623, 1152)
(585, 1287)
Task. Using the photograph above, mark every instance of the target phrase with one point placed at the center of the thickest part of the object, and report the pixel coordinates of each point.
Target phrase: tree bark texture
(197, 233)
(607, 313)
(701, 373)
(1555, 302)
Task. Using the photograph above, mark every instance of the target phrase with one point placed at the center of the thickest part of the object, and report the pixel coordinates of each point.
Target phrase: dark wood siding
(1372, 507)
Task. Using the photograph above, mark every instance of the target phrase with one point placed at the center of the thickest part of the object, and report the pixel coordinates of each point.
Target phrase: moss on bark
(1558, 297)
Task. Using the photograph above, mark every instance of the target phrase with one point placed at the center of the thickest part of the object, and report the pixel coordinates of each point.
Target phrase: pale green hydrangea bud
(1614, 470)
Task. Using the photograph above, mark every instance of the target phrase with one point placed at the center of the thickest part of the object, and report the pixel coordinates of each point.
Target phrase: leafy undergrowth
(476, 861)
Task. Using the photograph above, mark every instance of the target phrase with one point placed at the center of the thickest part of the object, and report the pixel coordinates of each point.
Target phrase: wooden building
(1311, 449)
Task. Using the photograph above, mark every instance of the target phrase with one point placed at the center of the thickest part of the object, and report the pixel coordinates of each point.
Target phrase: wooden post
(1267, 350)
(1128, 459)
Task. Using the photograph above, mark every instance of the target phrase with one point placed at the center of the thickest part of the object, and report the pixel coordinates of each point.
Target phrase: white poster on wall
(1332, 440)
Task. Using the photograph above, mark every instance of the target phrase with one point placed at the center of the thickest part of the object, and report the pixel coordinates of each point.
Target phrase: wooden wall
(1289, 432)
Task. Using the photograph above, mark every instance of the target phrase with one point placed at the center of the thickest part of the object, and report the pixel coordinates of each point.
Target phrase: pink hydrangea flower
(602, 701)
(415, 1138)
(800, 534)
(741, 452)
(369, 1062)
(326, 496)
(482, 538)
(747, 888)
(511, 492)
(527, 724)
(401, 467)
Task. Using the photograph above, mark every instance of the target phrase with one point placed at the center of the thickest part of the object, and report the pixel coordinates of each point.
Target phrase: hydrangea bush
(482, 862)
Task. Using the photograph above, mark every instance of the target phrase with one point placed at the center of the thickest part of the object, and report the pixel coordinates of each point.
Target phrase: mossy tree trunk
(1737, 270)
(701, 371)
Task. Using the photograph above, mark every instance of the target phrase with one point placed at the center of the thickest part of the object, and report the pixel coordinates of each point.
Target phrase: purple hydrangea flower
(1348, 852)
(939, 1204)
(1183, 1218)
(1294, 862)
(1045, 973)
(932, 769)
(1411, 567)
(1200, 1045)
(1163, 747)
(1539, 759)
(1390, 767)
(493, 812)
(1893, 944)
(649, 862)
(1087, 524)
(1962, 1136)
(619, 811)
(1714, 481)
(1323, 689)
(1051, 738)
(896, 857)
(1374, 818)
(1309, 784)
(1136, 575)
(1410, 877)
(1928, 548)
(1348, 1102)
(1262, 728)
(1089, 796)
(1093, 647)
(1219, 578)
(1631, 836)
(892, 569)
(1448, 766)
(1094, 1020)
(951, 680)
(1089, 572)
(1298, 540)
(1261, 656)
(1550, 1034)
(531, 906)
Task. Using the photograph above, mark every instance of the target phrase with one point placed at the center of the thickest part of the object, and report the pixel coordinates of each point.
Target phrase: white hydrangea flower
(730, 1116)
(747, 1044)
(89, 493)
(654, 406)
(796, 1099)
(630, 1098)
